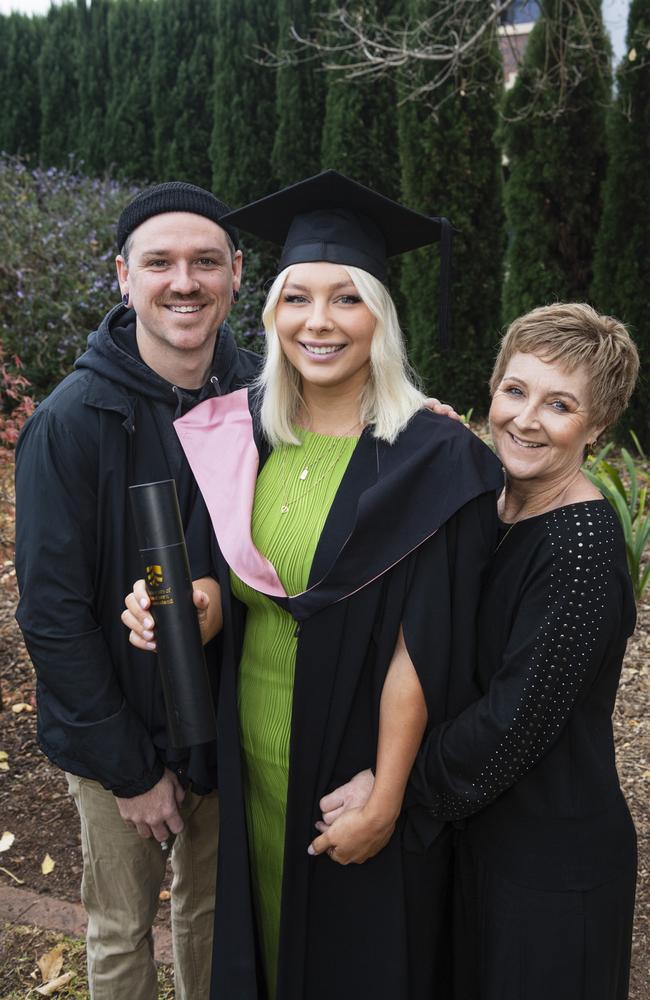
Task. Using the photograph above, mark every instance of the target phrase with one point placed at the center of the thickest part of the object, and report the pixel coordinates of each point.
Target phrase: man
(100, 710)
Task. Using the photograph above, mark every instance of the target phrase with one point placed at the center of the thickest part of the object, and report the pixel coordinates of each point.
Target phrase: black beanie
(172, 196)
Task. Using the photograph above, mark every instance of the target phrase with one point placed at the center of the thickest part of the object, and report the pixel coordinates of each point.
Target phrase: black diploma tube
(183, 670)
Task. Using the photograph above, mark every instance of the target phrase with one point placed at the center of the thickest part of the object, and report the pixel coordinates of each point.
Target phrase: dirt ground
(34, 805)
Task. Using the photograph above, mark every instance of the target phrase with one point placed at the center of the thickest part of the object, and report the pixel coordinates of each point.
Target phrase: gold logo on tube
(154, 576)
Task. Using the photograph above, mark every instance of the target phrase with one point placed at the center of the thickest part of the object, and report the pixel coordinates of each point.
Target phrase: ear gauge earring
(235, 296)
(125, 299)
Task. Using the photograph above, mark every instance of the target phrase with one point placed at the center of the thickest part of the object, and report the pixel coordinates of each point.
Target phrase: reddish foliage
(17, 404)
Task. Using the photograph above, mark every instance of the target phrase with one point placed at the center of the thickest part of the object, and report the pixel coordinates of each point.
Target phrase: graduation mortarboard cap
(330, 217)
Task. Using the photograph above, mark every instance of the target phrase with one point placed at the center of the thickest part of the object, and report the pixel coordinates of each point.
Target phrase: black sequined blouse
(532, 762)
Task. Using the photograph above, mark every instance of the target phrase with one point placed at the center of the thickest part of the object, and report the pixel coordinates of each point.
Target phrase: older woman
(547, 858)
(354, 530)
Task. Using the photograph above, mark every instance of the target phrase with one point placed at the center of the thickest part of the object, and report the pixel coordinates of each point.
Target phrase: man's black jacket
(106, 426)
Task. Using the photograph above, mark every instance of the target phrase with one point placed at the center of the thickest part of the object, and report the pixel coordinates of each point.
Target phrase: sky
(614, 12)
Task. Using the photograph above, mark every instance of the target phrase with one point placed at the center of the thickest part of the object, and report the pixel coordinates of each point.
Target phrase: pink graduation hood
(217, 437)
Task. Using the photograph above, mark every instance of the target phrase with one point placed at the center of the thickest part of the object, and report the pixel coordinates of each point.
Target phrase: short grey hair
(575, 335)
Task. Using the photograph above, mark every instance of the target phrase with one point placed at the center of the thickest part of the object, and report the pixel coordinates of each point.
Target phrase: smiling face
(539, 420)
(324, 327)
(180, 278)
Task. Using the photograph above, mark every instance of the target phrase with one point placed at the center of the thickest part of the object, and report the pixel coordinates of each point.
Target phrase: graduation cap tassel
(444, 299)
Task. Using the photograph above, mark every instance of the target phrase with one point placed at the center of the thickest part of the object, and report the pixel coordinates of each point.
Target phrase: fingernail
(310, 850)
(147, 635)
(148, 623)
(151, 645)
(144, 603)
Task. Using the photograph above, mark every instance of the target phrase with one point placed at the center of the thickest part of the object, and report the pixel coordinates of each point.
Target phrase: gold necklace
(545, 509)
(306, 470)
(505, 535)
(552, 504)
(288, 501)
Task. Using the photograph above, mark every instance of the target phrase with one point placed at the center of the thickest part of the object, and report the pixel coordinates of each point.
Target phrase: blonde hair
(575, 335)
(389, 398)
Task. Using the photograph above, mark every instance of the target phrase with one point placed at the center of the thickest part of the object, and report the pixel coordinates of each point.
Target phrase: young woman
(353, 532)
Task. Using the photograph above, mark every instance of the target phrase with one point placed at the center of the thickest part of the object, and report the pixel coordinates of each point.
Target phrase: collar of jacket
(123, 378)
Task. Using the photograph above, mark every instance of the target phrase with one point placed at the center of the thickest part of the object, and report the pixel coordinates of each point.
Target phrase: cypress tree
(181, 88)
(92, 59)
(299, 101)
(129, 121)
(622, 265)
(451, 166)
(242, 139)
(555, 142)
(20, 113)
(360, 124)
(244, 106)
(58, 80)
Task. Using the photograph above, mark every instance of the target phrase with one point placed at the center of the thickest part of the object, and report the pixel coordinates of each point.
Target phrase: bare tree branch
(348, 43)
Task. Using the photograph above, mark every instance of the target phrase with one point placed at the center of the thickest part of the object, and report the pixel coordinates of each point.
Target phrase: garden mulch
(35, 807)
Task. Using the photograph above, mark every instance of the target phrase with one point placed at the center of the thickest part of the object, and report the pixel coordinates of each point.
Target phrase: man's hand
(443, 409)
(352, 795)
(155, 813)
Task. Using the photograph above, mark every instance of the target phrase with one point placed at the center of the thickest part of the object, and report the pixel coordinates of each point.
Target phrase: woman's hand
(359, 833)
(442, 409)
(355, 836)
(138, 617)
(354, 794)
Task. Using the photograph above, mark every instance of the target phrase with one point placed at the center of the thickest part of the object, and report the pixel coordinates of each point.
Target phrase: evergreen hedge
(451, 166)
(622, 266)
(157, 89)
(360, 126)
(20, 112)
(555, 142)
(299, 99)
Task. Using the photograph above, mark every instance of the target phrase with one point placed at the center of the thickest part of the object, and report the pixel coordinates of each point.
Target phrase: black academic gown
(407, 542)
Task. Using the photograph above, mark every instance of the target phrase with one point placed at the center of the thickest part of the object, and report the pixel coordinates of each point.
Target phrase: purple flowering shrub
(57, 271)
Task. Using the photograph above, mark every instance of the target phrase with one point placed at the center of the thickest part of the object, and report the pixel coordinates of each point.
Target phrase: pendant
(303, 475)
(284, 509)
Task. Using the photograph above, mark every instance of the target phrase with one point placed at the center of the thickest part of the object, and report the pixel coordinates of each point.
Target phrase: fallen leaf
(55, 985)
(21, 706)
(632, 55)
(164, 895)
(48, 865)
(51, 963)
(6, 840)
(3, 765)
(646, 774)
(11, 875)
(4, 755)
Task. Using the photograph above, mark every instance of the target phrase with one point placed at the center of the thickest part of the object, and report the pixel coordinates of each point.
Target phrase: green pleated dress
(288, 539)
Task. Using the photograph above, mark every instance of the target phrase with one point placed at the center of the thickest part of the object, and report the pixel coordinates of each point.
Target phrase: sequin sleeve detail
(568, 609)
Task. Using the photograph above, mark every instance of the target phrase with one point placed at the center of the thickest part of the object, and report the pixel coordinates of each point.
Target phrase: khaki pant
(121, 881)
